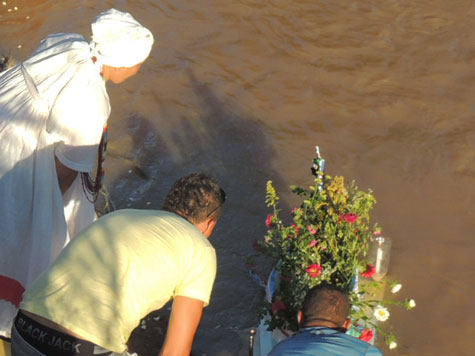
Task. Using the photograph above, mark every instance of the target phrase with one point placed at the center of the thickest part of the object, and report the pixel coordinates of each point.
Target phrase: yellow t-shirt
(125, 265)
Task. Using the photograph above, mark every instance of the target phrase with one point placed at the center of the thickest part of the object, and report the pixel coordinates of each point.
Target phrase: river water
(245, 89)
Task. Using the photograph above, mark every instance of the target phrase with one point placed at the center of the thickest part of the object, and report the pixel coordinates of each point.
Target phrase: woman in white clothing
(53, 111)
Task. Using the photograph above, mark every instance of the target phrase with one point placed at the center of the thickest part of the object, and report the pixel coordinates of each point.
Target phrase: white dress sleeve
(79, 114)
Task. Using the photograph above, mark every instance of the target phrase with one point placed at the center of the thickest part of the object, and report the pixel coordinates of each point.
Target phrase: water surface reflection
(246, 89)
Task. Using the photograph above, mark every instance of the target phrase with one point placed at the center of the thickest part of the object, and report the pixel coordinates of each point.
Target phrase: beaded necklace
(90, 186)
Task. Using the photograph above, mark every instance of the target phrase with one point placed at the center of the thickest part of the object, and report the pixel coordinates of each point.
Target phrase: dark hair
(195, 197)
(326, 302)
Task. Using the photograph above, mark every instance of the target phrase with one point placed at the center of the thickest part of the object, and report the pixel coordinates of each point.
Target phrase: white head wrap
(118, 40)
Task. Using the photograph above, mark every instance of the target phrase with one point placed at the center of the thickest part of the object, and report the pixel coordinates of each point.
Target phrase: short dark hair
(195, 197)
(326, 302)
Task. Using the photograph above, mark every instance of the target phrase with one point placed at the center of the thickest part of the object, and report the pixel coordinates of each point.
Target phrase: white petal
(381, 313)
(396, 288)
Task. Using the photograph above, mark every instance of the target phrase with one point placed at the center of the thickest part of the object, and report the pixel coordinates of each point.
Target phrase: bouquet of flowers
(327, 240)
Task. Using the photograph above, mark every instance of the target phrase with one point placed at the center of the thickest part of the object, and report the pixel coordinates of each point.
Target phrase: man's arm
(184, 320)
(66, 176)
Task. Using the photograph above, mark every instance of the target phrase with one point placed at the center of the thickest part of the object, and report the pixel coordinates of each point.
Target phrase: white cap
(118, 40)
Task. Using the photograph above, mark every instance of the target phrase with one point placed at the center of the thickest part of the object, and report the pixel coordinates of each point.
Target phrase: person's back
(323, 341)
(127, 264)
(324, 320)
(34, 129)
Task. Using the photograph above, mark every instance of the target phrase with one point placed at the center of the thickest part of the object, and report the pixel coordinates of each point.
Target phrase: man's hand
(184, 320)
(66, 176)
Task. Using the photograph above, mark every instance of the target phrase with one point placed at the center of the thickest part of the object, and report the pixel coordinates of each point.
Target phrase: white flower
(396, 288)
(411, 304)
(392, 344)
(381, 313)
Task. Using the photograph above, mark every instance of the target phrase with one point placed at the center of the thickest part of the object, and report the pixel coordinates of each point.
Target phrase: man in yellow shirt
(125, 265)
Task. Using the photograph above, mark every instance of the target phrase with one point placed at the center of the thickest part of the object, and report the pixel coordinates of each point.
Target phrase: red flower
(314, 270)
(312, 230)
(297, 229)
(366, 335)
(312, 243)
(277, 306)
(377, 233)
(370, 270)
(350, 217)
(269, 220)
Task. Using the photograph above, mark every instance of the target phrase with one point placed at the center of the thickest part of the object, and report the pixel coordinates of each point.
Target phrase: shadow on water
(233, 148)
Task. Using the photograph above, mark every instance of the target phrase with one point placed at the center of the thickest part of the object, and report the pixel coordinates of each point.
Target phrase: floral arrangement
(327, 240)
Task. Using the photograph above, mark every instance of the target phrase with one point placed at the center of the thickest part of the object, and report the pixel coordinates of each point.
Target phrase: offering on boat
(326, 238)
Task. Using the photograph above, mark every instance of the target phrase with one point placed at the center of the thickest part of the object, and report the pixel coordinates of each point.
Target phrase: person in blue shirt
(324, 321)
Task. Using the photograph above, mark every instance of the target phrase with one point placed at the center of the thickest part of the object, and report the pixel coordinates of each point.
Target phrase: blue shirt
(322, 341)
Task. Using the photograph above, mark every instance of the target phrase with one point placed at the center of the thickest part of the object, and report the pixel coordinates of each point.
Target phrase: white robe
(53, 104)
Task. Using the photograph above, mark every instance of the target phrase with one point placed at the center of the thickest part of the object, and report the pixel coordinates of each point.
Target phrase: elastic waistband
(53, 342)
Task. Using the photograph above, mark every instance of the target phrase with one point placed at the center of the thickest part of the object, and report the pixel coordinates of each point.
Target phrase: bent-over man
(122, 267)
(324, 321)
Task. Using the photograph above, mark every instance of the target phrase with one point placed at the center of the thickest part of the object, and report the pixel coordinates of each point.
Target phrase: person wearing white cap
(53, 112)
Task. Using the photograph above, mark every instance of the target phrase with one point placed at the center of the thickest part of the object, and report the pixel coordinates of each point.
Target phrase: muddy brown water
(245, 89)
